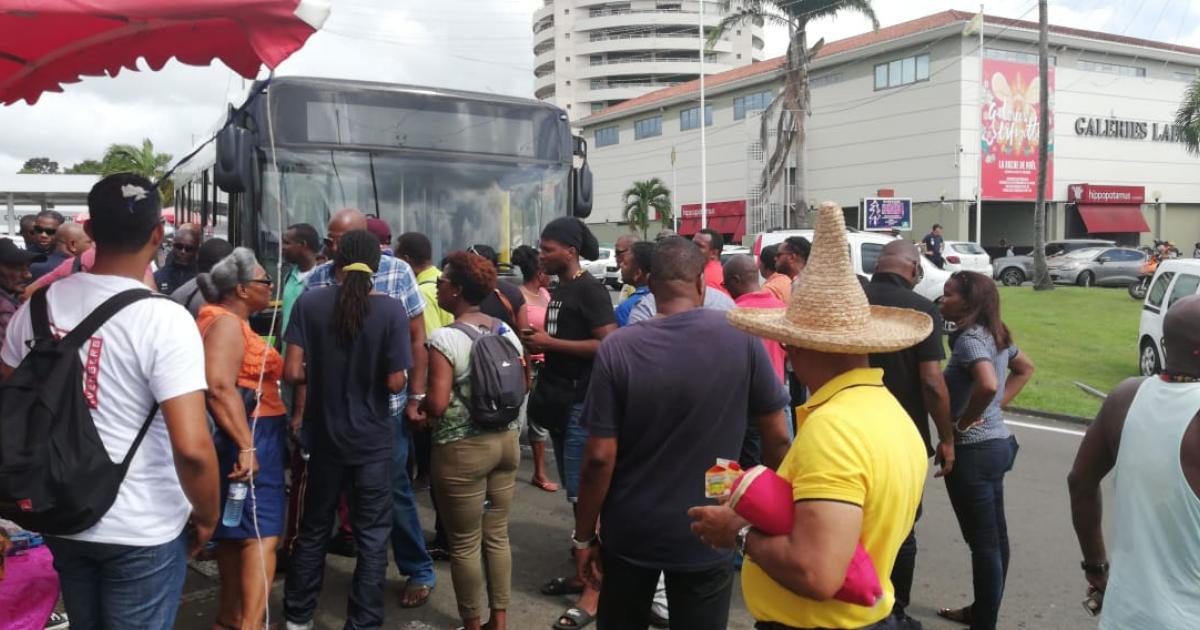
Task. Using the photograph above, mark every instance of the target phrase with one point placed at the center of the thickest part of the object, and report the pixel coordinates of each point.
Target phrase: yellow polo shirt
(857, 445)
(435, 317)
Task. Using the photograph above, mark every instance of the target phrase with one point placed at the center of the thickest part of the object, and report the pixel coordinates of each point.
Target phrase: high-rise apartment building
(590, 54)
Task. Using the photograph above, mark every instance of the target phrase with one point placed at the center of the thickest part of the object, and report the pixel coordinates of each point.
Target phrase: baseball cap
(10, 254)
(380, 229)
(124, 201)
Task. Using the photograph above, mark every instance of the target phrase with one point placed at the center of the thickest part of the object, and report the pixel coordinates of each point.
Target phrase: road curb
(1051, 416)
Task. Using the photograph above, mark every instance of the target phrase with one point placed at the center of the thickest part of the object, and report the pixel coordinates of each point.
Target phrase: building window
(690, 118)
(1016, 56)
(1185, 76)
(647, 127)
(902, 72)
(828, 79)
(606, 136)
(751, 103)
(1111, 68)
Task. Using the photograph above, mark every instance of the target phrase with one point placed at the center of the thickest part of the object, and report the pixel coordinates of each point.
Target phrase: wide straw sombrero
(828, 311)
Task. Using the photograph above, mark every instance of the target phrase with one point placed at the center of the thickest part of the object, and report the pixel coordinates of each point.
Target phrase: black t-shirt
(346, 416)
(491, 305)
(675, 404)
(576, 308)
(901, 371)
(933, 244)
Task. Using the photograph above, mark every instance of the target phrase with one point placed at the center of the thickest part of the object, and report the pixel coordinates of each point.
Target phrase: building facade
(916, 111)
(589, 55)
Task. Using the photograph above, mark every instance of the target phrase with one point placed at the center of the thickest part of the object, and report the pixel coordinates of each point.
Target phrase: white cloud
(481, 45)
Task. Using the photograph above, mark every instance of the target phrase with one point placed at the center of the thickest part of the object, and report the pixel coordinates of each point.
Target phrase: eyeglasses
(265, 281)
(180, 247)
(440, 281)
(46, 231)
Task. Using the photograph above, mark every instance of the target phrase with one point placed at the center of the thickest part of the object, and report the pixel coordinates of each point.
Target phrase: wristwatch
(416, 397)
(741, 537)
(586, 544)
(1094, 568)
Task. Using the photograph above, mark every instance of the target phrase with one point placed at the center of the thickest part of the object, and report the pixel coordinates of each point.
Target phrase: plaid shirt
(395, 279)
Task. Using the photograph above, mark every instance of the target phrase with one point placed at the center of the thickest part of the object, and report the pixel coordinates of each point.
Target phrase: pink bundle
(765, 499)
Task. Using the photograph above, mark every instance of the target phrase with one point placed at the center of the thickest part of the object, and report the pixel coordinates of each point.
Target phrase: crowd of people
(389, 374)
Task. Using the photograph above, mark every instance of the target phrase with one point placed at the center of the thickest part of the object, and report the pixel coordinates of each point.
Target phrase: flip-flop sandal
(548, 486)
(957, 615)
(561, 586)
(421, 591)
(577, 618)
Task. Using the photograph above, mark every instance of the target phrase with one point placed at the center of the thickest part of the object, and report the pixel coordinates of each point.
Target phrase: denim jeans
(119, 586)
(369, 487)
(976, 489)
(698, 600)
(903, 569)
(568, 452)
(408, 540)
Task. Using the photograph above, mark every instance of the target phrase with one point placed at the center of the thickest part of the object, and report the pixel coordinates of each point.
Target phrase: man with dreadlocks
(339, 340)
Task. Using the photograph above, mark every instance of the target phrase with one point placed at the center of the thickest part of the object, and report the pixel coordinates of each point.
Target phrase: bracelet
(581, 544)
(741, 538)
(1094, 568)
(248, 450)
(416, 397)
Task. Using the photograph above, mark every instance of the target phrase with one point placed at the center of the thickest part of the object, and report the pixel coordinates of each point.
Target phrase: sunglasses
(46, 231)
(265, 281)
(180, 247)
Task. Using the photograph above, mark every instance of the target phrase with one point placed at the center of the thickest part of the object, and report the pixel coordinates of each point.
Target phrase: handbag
(551, 400)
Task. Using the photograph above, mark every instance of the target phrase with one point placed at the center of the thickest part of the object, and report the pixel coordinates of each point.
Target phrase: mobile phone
(526, 331)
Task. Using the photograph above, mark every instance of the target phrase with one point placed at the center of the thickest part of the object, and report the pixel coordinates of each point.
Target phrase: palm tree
(1188, 118)
(643, 196)
(127, 158)
(790, 107)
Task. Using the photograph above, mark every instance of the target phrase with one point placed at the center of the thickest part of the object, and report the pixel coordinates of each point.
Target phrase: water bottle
(232, 516)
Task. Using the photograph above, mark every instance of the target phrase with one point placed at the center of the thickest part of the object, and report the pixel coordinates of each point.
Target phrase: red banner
(1010, 131)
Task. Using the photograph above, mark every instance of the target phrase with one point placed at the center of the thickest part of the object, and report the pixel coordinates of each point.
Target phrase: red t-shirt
(765, 299)
(714, 276)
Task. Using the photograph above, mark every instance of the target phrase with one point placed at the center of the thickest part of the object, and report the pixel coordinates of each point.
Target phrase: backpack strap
(507, 305)
(103, 313)
(39, 315)
(77, 266)
(137, 441)
(470, 331)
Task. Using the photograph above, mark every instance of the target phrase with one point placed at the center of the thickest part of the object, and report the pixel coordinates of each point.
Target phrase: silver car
(1013, 270)
(1103, 266)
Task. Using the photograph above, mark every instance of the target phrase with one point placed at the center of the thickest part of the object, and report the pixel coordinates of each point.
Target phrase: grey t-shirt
(674, 406)
(189, 295)
(967, 348)
(647, 308)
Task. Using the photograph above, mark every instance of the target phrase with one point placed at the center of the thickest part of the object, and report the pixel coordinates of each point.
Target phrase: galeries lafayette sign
(1091, 193)
(1128, 129)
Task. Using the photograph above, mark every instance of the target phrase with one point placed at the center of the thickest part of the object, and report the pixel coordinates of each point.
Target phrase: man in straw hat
(857, 466)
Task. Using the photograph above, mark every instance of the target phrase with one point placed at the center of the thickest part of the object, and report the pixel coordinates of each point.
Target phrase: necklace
(578, 274)
(1179, 378)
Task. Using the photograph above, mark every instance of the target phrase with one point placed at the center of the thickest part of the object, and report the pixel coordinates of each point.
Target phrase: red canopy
(46, 43)
(1110, 218)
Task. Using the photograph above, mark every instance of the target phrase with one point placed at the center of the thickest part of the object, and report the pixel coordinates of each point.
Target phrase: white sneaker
(58, 621)
(292, 625)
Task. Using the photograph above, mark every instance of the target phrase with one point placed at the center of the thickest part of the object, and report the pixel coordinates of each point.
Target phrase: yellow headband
(358, 267)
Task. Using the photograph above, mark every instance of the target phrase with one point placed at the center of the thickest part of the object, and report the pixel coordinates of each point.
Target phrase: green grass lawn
(1072, 334)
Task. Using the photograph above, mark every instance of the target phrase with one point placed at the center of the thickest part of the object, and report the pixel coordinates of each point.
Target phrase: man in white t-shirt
(127, 570)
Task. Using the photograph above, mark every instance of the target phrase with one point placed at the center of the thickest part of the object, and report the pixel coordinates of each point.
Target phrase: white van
(864, 252)
(1173, 280)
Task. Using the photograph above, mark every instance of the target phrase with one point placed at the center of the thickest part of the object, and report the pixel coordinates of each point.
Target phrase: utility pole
(1041, 278)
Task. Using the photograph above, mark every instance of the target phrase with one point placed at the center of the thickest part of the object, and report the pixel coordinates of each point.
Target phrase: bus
(462, 168)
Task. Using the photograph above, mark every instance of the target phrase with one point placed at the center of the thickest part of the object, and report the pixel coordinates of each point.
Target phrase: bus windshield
(456, 202)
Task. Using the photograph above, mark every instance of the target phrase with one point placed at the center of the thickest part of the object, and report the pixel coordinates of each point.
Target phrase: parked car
(729, 251)
(1173, 280)
(966, 256)
(1103, 266)
(1013, 270)
(599, 267)
(864, 252)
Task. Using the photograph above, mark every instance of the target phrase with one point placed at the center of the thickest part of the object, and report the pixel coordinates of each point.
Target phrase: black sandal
(561, 586)
(574, 618)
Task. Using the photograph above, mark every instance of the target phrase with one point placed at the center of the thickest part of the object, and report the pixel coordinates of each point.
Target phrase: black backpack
(497, 377)
(55, 474)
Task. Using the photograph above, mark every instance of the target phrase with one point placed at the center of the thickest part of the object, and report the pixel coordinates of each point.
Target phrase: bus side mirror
(581, 191)
(233, 169)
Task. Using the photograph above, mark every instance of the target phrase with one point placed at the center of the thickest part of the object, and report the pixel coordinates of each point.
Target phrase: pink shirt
(765, 299)
(537, 313)
(66, 268)
(714, 276)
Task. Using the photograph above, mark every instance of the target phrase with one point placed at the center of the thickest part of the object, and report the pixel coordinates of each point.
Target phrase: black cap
(10, 254)
(124, 201)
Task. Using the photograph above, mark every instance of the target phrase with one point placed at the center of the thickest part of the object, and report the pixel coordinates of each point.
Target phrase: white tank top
(1155, 548)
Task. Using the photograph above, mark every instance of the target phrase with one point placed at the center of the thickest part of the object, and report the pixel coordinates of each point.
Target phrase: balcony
(645, 18)
(544, 36)
(621, 91)
(543, 82)
(544, 11)
(648, 42)
(543, 58)
(652, 67)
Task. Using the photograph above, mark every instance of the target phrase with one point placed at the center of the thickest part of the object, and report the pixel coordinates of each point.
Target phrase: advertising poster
(884, 214)
(1010, 130)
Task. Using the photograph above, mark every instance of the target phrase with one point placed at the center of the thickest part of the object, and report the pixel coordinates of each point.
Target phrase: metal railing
(610, 62)
(599, 37)
(604, 85)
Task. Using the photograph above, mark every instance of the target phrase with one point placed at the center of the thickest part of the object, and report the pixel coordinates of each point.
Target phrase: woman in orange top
(251, 437)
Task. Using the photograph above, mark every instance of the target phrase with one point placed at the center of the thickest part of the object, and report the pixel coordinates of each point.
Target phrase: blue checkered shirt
(394, 279)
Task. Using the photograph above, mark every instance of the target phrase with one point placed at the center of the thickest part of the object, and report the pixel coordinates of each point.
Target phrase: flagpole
(674, 187)
(703, 131)
(979, 117)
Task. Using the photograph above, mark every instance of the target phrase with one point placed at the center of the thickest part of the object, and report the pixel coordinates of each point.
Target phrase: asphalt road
(1044, 592)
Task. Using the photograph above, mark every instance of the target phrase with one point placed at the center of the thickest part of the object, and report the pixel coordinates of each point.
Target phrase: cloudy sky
(481, 45)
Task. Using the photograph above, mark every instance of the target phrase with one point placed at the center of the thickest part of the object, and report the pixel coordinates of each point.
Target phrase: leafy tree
(39, 166)
(127, 158)
(788, 111)
(640, 198)
(86, 167)
(1188, 118)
